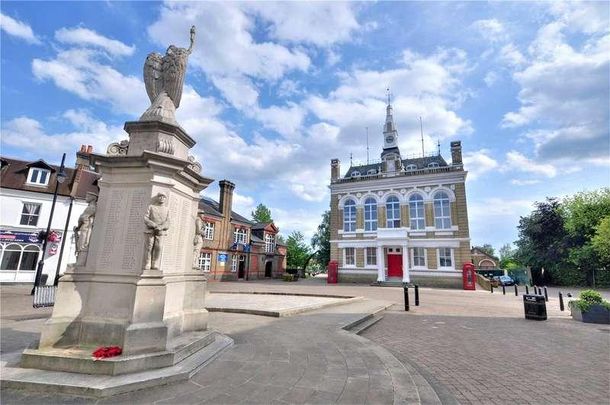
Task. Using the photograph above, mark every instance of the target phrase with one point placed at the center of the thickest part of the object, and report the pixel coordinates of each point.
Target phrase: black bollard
(527, 290)
(491, 288)
(416, 295)
(406, 291)
(546, 295)
(516, 291)
(561, 307)
(503, 290)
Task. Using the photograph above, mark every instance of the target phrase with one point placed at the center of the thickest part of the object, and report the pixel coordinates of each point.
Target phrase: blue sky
(275, 90)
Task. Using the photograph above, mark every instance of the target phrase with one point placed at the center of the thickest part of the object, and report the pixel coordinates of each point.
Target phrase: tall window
(349, 216)
(444, 257)
(17, 257)
(392, 207)
(38, 176)
(30, 214)
(240, 235)
(269, 243)
(208, 231)
(370, 214)
(370, 254)
(350, 257)
(419, 257)
(234, 263)
(416, 212)
(205, 261)
(442, 211)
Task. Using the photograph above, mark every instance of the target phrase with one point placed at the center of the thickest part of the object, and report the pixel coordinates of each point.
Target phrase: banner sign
(222, 258)
(13, 236)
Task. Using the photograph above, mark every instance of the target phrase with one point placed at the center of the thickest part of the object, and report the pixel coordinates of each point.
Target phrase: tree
(261, 214)
(297, 251)
(488, 249)
(601, 242)
(321, 241)
(507, 257)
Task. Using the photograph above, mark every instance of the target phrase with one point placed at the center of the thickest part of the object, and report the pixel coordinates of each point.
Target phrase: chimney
(456, 153)
(83, 157)
(226, 197)
(335, 169)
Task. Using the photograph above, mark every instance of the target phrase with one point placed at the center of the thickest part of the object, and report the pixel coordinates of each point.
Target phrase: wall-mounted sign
(13, 236)
(222, 258)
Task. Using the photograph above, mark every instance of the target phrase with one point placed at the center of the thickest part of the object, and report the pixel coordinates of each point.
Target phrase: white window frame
(411, 167)
(371, 172)
(433, 165)
(349, 216)
(22, 250)
(391, 222)
(205, 262)
(240, 235)
(417, 206)
(425, 266)
(37, 216)
(368, 263)
(269, 243)
(38, 176)
(234, 263)
(438, 259)
(208, 230)
(442, 210)
(356, 174)
(345, 256)
(370, 208)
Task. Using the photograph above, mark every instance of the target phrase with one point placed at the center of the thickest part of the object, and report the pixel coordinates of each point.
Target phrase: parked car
(506, 280)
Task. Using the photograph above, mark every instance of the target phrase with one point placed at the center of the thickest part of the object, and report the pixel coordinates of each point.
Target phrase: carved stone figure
(197, 242)
(82, 231)
(164, 78)
(118, 148)
(157, 224)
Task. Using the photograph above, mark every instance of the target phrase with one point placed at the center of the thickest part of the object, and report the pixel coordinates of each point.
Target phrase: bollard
(527, 290)
(503, 290)
(491, 288)
(546, 295)
(516, 291)
(561, 307)
(416, 295)
(406, 291)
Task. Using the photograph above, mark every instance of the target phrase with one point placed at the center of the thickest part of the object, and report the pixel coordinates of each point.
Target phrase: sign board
(14, 236)
(222, 258)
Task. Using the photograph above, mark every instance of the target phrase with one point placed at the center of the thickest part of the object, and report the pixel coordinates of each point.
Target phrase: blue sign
(13, 236)
(222, 257)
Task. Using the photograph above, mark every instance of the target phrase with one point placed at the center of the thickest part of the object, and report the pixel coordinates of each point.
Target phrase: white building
(26, 195)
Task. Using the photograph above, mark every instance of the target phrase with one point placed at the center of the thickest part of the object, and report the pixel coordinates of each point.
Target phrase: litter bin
(535, 307)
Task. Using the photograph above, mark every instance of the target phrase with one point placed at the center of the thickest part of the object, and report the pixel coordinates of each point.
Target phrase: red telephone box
(332, 271)
(469, 276)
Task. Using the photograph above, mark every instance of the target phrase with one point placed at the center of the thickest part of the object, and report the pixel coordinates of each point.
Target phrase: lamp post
(61, 177)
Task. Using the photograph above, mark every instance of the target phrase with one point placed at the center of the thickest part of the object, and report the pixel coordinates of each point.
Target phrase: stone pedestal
(108, 297)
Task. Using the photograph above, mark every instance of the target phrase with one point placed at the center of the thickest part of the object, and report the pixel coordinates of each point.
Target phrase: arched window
(15, 257)
(392, 207)
(356, 174)
(371, 172)
(432, 164)
(411, 167)
(349, 216)
(416, 212)
(442, 211)
(370, 214)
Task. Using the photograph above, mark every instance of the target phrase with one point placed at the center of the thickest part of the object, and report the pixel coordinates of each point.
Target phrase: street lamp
(61, 177)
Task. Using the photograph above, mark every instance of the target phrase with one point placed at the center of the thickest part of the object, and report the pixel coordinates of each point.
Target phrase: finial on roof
(389, 95)
(438, 144)
(350, 160)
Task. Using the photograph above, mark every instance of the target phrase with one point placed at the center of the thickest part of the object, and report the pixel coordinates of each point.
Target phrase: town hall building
(400, 219)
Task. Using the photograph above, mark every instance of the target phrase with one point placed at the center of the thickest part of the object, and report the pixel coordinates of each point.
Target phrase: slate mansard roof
(14, 175)
(420, 163)
(212, 207)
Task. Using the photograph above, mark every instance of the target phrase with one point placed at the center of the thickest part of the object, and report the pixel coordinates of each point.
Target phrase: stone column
(380, 264)
(405, 264)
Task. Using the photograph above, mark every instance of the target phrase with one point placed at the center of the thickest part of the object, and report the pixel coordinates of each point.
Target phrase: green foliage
(261, 214)
(588, 298)
(583, 212)
(488, 249)
(297, 251)
(321, 241)
(601, 242)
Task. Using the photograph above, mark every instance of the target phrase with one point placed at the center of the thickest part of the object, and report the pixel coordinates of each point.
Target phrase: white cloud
(18, 29)
(517, 161)
(489, 209)
(479, 163)
(565, 87)
(490, 78)
(490, 29)
(511, 55)
(86, 37)
(526, 182)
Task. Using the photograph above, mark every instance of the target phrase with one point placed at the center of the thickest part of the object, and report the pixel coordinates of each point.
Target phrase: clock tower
(390, 156)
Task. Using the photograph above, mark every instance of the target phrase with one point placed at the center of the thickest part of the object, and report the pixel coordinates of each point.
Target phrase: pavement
(456, 347)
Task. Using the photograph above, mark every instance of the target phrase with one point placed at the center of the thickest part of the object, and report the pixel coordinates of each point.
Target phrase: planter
(596, 314)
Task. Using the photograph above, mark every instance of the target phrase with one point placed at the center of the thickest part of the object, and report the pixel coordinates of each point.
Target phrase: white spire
(390, 134)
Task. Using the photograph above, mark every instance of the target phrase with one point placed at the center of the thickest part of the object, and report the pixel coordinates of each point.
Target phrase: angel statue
(164, 77)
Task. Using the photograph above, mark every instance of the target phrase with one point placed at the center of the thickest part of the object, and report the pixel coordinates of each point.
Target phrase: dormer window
(38, 176)
(356, 174)
(372, 171)
(432, 164)
(411, 167)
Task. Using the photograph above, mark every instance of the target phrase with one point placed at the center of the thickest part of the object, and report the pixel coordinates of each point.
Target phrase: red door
(394, 265)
